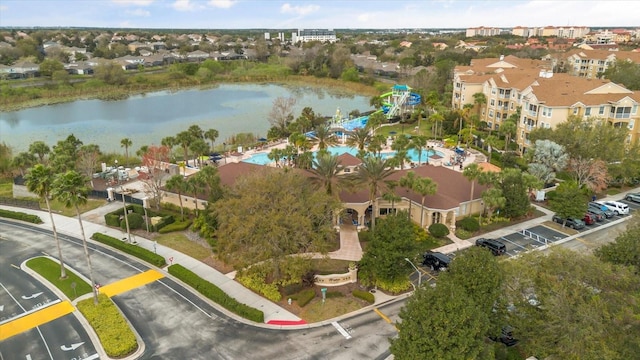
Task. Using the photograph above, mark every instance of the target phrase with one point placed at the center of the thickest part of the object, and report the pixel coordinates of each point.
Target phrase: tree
(513, 185)
(424, 186)
(372, 173)
(419, 143)
(199, 147)
(262, 220)
(126, 143)
(569, 201)
(566, 305)
(70, 188)
(177, 184)
(184, 139)
(40, 149)
(359, 138)
(548, 157)
(327, 169)
(211, 134)
(50, 66)
(383, 264)
(490, 141)
(625, 249)
(23, 161)
(65, 154)
(508, 130)
(471, 172)
(375, 120)
(111, 73)
(401, 148)
(324, 137)
(5, 158)
(589, 173)
(441, 323)
(88, 156)
(625, 72)
(195, 185)
(408, 181)
(39, 180)
(156, 161)
(281, 113)
(493, 199)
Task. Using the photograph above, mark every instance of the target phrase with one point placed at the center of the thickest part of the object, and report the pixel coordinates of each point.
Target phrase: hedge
(34, 219)
(214, 293)
(131, 249)
(305, 296)
(164, 222)
(364, 295)
(112, 219)
(136, 221)
(470, 224)
(113, 330)
(176, 226)
(438, 230)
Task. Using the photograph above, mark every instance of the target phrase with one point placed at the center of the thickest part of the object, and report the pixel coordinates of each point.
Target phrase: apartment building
(591, 64)
(549, 101)
(483, 31)
(565, 32)
(307, 35)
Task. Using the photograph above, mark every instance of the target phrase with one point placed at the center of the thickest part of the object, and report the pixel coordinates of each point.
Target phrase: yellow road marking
(131, 283)
(384, 317)
(35, 319)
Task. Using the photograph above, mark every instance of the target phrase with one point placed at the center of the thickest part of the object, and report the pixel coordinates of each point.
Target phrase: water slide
(400, 95)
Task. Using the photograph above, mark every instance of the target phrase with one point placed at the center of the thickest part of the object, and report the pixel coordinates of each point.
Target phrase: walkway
(350, 248)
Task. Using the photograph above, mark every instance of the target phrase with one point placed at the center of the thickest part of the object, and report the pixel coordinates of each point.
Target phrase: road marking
(131, 283)
(15, 266)
(72, 347)
(341, 330)
(35, 319)
(384, 317)
(92, 357)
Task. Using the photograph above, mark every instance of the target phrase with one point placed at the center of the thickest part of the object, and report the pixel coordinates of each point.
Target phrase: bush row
(216, 294)
(136, 218)
(130, 249)
(136, 221)
(364, 295)
(176, 226)
(34, 219)
(305, 296)
(114, 332)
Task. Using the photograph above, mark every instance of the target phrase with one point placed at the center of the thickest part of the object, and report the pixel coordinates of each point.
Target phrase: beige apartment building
(546, 99)
(591, 64)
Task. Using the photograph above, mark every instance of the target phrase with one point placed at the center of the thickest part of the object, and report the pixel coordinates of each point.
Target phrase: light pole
(419, 273)
(429, 150)
(126, 216)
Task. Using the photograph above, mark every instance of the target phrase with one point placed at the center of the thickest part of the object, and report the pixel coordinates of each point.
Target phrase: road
(587, 243)
(174, 323)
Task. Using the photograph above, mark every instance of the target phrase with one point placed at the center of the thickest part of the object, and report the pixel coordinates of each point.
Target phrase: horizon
(308, 14)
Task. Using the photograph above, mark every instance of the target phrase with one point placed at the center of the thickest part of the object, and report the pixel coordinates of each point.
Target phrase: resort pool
(263, 158)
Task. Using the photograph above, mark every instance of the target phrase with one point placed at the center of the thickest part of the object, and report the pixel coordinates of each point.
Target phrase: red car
(590, 218)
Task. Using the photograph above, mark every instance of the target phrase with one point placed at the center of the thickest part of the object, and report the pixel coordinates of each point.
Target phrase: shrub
(334, 294)
(136, 221)
(305, 296)
(112, 328)
(364, 295)
(215, 293)
(292, 288)
(176, 226)
(130, 249)
(112, 219)
(164, 222)
(34, 219)
(438, 230)
(255, 282)
(469, 224)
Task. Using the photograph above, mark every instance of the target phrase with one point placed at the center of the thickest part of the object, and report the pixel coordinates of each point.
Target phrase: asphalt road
(174, 323)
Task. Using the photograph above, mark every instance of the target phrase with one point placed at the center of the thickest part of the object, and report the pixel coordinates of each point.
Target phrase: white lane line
(341, 330)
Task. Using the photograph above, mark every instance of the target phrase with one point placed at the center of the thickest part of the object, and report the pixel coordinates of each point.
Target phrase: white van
(617, 207)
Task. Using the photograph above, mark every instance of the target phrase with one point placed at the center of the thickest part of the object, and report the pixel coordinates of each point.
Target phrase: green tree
(65, 154)
(419, 143)
(6, 158)
(71, 189)
(625, 72)
(569, 201)
(513, 185)
(625, 249)
(50, 66)
(401, 147)
(39, 180)
(23, 161)
(177, 184)
(493, 200)
(40, 149)
(424, 186)
(110, 73)
(408, 181)
(184, 139)
(359, 138)
(508, 130)
(491, 141)
(372, 173)
(211, 134)
(126, 143)
(327, 170)
(262, 220)
(472, 172)
(324, 137)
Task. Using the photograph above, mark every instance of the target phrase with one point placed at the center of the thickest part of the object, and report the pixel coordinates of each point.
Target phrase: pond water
(146, 119)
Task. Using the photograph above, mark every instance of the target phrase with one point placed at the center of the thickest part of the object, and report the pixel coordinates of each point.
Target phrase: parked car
(635, 197)
(571, 223)
(436, 260)
(506, 337)
(589, 218)
(617, 207)
(605, 210)
(597, 212)
(496, 247)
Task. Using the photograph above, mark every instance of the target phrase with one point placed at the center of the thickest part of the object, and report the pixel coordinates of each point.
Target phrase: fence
(534, 236)
(117, 197)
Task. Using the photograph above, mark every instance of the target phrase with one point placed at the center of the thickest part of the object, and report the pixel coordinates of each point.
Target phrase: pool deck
(447, 160)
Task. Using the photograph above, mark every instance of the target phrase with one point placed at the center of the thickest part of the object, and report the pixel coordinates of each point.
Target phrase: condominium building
(592, 64)
(483, 31)
(307, 35)
(568, 32)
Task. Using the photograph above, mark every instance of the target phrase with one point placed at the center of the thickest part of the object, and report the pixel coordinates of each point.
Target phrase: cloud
(138, 12)
(298, 10)
(4, 8)
(222, 4)
(184, 5)
(133, 2)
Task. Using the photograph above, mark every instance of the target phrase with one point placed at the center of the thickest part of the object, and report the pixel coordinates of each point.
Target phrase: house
(197, 55)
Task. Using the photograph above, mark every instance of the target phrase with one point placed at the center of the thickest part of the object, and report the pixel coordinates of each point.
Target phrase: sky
(323, 14)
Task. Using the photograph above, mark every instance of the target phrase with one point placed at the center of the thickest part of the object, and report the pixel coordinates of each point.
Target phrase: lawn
(58, 207)
(180, 242)
(72, 286)
(317, 311)
(6, 188)
(330, 266)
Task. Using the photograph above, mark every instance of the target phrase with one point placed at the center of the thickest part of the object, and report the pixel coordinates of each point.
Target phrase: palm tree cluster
(192, 140)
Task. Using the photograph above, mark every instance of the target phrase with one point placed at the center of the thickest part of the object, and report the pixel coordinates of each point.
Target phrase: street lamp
(126, 216)
(419, 273)
(429, 150)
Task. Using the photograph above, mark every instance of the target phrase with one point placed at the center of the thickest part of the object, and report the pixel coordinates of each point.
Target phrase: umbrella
(262, 139)
(392, 132)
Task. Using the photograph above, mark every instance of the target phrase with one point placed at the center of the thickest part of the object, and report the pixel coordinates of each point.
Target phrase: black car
(496, 247)
(506, 337)
(572, 223)
(436, 260)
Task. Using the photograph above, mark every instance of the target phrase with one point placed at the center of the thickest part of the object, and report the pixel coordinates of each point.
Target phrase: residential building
(566, 32)
(307, 35)
(483, 31)
(550, 101)
(591, 64)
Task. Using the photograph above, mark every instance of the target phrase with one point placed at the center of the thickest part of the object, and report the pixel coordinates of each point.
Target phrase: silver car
(635, 197)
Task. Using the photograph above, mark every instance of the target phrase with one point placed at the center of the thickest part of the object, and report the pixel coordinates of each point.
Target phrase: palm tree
(211, 134)
(184, 139)
(23, 161)
(169, 142)
(195, 185)
(418, 143)
(376, 143)
(326, 168)
(125, 143)
(401, 147)
(424, 186)
(199, 147)
(176, 183)
(491, 142)
(408, 182)
(437, 117)
(390, 195)
(209, 176)
(39, 181)
(508, 129)
(70, 188)
(479, 100)
(359, 138)
(472, 172)
(372, 173)
(325, 137)
(275, 155)
(40, 149)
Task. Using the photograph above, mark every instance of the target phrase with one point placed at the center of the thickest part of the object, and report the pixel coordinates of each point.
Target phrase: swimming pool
(263, 158)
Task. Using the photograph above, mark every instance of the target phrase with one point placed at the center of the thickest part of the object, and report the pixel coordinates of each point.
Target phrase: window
(601, 112)
(493, 102)
(490, 113)
(587, 112)
(493, 91)
(631, 123)
(575, 111)
(621, 112)
(634, 110)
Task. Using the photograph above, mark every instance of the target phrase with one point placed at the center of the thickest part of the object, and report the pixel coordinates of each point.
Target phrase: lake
(146, 119)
